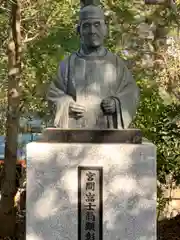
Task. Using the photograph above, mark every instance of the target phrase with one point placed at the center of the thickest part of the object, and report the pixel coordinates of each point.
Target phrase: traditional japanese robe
(88, 80)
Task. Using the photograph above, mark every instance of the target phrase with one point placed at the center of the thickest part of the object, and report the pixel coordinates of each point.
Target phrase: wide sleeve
(126, 97)
(58, 86)
(58, 98)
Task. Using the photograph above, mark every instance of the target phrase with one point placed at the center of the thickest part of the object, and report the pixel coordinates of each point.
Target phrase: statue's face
(92, 32)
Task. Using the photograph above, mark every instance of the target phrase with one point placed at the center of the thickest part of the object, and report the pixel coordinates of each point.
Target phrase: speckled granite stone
(129, 190)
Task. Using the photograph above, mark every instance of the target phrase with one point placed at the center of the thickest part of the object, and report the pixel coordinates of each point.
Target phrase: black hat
(89, 2)
(91, 9)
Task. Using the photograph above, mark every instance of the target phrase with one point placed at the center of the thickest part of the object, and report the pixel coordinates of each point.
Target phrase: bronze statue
(93, 89)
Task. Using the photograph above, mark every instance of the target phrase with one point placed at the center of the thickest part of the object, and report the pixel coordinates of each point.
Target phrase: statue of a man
(93, 89)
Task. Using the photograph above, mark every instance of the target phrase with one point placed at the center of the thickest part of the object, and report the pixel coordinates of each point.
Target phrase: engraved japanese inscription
(90, 206)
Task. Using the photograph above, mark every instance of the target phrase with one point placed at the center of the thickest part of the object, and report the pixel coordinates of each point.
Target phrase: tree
(7, 227)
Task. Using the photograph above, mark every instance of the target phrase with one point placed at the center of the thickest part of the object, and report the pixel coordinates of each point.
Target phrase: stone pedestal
(124, 191)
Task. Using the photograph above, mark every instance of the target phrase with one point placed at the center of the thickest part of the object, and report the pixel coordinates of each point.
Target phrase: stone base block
(128, 184)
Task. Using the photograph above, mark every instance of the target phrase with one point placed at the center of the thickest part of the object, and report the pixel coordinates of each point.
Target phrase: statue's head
(92, 26)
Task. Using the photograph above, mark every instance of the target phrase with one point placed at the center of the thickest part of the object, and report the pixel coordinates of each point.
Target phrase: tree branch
(5, 9)
(26, 40)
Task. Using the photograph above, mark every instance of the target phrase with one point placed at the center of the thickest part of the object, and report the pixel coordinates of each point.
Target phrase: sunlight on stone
(94, 87)
(109, 218)
(126, 114)
(114, 157)
(143, 237)
(144, 203)
(100, 156)
(110, 71)
(154, 196)
(43, 149)
(31, 180)
(105, 196)
(129, 188)
(144, 183)
(70, 184)
(76, 151)
(150, 159)
(137, 205)
(92, 152)
(122, 183)
(33, 237)
(45, 206)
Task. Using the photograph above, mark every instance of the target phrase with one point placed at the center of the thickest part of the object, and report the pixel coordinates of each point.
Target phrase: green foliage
(3, 69)
(42, 55)
(158, 123)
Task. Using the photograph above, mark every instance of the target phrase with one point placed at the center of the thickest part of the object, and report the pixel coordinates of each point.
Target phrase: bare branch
(26, 40)
(4, 9)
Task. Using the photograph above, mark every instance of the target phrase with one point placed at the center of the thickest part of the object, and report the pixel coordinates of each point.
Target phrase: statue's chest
(95, 77)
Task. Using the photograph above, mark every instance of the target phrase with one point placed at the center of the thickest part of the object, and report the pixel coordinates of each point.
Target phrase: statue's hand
(76, 110)
(108, 106)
